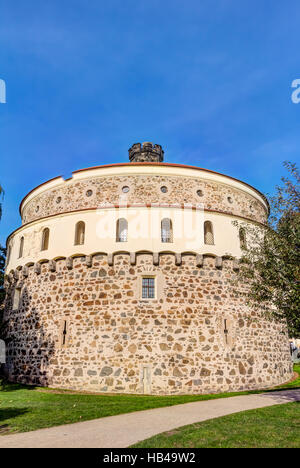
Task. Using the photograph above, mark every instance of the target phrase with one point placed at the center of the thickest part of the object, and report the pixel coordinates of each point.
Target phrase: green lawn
(24, 408)
(275, 426)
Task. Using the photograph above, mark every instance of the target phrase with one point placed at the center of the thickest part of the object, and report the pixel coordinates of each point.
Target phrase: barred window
(208, 233)
(148, 288)
(122, 230)
(166, 230)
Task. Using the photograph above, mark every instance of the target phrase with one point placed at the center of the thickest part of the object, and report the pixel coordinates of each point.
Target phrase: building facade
(122, 279)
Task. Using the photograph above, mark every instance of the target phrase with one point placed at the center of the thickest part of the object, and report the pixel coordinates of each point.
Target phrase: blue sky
(209, 80)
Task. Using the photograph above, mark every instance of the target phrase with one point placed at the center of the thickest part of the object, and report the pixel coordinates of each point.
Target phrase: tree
(2, 267)
(271, 256)
(1, 196)
(2, 263)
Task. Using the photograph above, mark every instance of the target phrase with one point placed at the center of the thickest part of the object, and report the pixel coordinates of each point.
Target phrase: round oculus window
(89, 193)
(125, 189)
(164, 189)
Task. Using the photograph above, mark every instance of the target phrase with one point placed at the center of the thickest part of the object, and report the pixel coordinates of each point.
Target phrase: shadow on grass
(9, 413)
(290, 395)
(283, 389)
(6, 386)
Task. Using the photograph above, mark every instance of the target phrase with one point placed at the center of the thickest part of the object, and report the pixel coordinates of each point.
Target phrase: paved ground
(126, 429)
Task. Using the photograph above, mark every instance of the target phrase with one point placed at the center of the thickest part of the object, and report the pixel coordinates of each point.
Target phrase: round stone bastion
(124, 278)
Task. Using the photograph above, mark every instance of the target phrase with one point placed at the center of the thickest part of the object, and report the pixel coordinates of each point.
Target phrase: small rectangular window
(148, 288)
(17, 297)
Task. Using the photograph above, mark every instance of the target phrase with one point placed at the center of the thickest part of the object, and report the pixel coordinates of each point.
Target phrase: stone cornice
(15, 276)
(143, 165)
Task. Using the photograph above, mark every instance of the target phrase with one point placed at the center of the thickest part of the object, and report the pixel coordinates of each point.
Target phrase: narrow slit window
(45, 239)
(166, 230)
(79, 233)
(226, 331)
(242, 236)
(148, 288)
(208, 233)
(21, 248)
(64, 333)
(17, 299)
(122, 230)
(8, 255)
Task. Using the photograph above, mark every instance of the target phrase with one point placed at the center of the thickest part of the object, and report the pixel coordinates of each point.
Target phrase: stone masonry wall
(91, 192)
(116, 342)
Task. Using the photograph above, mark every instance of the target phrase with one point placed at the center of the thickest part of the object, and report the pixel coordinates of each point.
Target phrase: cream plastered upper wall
(144, 234)
(145, 169)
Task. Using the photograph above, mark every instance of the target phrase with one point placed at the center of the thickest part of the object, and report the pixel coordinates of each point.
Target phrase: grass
(24, 408)
(272, 427)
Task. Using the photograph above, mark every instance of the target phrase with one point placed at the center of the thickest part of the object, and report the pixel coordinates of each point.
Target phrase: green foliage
(2, 290)
(1, 196)
(271, 263)
(2, 266)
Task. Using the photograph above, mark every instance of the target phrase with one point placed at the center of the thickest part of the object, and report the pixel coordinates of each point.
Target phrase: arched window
(17, 298)
(21, 248)
(79, 233)
(242, 236)
(45, 239)
(8, 255)
(208, 233)
(166, 230)
(122, 230)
